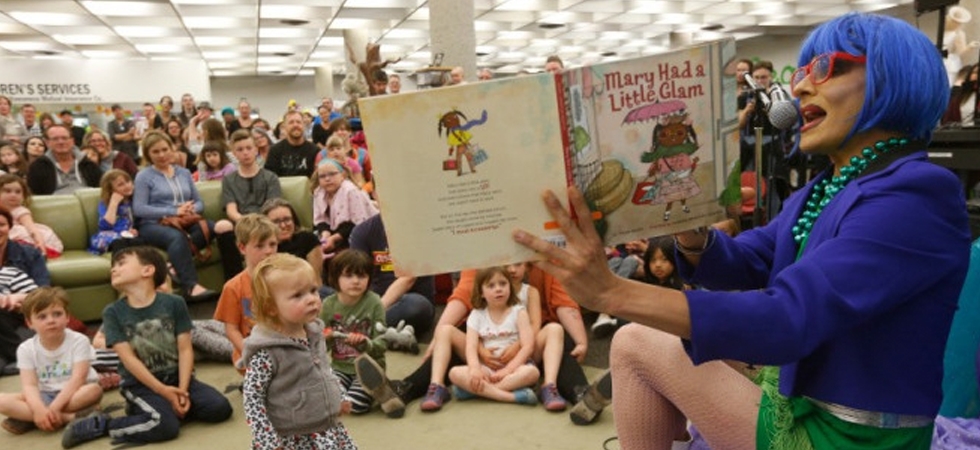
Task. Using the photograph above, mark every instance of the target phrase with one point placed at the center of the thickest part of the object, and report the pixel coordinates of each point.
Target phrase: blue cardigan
(862, 318)
(154, 199)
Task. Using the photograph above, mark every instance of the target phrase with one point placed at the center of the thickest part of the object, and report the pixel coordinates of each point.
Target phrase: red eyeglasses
(821, 67)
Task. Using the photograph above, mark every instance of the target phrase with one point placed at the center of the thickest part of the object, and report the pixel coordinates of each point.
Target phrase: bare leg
(548, 347)
(524, 376)
(85, 397)
(459, 160)
(503, 390)
(15, 406)
(446, 340)
(656, 389)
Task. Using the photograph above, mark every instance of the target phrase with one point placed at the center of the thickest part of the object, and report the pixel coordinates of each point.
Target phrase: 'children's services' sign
(101, 81)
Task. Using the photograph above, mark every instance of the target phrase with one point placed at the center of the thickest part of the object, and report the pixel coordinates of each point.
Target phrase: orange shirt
(553, 295)
(235, 306)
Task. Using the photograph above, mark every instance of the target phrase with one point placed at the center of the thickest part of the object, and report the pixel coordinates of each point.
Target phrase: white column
(323, 81)
(452, 33)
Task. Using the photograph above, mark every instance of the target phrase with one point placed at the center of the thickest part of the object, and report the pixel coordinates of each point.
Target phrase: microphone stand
(758, 213)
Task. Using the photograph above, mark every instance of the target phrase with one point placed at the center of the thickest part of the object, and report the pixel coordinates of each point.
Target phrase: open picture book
(652, 142)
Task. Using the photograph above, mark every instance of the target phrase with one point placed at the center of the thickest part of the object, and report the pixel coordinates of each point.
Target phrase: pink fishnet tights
(656, 389)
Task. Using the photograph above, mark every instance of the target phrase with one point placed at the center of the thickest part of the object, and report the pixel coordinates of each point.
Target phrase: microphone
(756, 88)
(782, 112)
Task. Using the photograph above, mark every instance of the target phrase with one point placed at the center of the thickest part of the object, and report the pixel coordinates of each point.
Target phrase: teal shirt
(151, 332)
(361, 317)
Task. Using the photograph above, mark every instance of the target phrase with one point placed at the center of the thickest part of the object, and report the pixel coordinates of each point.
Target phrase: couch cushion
(210, 192)
(296, 190)
(63, 213)
(89, 198)
(79, 268)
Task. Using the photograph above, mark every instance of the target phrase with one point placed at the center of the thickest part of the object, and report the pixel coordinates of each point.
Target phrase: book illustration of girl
(674, 141)
(459, 137)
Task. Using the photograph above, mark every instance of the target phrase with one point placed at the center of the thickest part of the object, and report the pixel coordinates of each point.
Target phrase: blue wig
(906, 88)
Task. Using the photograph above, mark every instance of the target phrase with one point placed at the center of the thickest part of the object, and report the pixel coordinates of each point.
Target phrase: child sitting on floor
(351, 316)
(150, 331)
(496, 322)
(55, 368)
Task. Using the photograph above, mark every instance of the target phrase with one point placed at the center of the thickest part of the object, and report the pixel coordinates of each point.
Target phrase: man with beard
(293, 155)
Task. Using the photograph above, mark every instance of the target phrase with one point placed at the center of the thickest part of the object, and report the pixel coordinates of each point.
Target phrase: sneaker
(596, 397)
(604, 326)
(551, 399)
(525, 396)
(84, 430)
(434, 398)
(462, 394)
(14, 426)
(373, 378)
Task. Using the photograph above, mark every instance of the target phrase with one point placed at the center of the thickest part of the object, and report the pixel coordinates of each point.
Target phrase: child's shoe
(604, 326)
(435, 397)
(14, 426)
(373, 379)
(525, 396)
(551, 399)
(462, 394)
(596, 397)
(84, 430)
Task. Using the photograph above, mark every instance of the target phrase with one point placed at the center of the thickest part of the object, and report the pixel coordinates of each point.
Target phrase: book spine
(566, 137)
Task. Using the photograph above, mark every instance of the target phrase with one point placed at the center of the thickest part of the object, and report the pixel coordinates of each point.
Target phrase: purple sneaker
(551, 399)
(434, 398)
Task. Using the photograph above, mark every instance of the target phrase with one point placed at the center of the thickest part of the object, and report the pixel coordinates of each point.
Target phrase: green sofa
(85, 276)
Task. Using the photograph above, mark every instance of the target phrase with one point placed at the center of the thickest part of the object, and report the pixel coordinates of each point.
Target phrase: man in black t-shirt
(293, 155)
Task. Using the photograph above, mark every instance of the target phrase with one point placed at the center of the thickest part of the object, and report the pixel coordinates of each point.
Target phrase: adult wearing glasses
(292, 238)
(847, 295)
(108, 158)
(60, 170)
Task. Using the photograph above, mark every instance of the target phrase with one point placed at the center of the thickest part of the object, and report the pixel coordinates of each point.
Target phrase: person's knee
(166, 429)
(223, 226)
(623, 343)
(216, 409)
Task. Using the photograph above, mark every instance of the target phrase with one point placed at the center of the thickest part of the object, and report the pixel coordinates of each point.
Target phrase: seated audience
(150, 331)
(16, 260)
(294, 240)
(163, 190)
(55, 368)
(60, 171)
(16, 198)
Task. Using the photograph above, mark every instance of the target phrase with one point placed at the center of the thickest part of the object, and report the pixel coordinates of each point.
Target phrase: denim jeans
(150, 418)
(174, 242)
(415, 310)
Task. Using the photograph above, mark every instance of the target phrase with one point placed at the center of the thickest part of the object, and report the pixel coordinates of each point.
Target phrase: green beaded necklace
(824, 191)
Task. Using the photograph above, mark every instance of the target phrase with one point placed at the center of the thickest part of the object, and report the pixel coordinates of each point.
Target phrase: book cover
(459, 168)
(648, 143)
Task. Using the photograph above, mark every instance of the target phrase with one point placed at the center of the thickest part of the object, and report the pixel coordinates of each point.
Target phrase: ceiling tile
(245, 37)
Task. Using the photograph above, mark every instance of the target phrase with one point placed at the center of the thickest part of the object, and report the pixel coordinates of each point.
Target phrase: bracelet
(708, 241)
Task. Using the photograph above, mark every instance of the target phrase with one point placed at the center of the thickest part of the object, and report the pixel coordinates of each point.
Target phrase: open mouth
(812, 116)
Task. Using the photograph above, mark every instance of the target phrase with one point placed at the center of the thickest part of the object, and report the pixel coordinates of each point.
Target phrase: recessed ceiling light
(293, 22)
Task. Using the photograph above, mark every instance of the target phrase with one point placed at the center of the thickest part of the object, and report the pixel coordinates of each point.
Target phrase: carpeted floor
(475, 424)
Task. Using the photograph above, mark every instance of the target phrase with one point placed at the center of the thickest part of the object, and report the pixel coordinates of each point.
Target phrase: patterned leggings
(361, 400)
